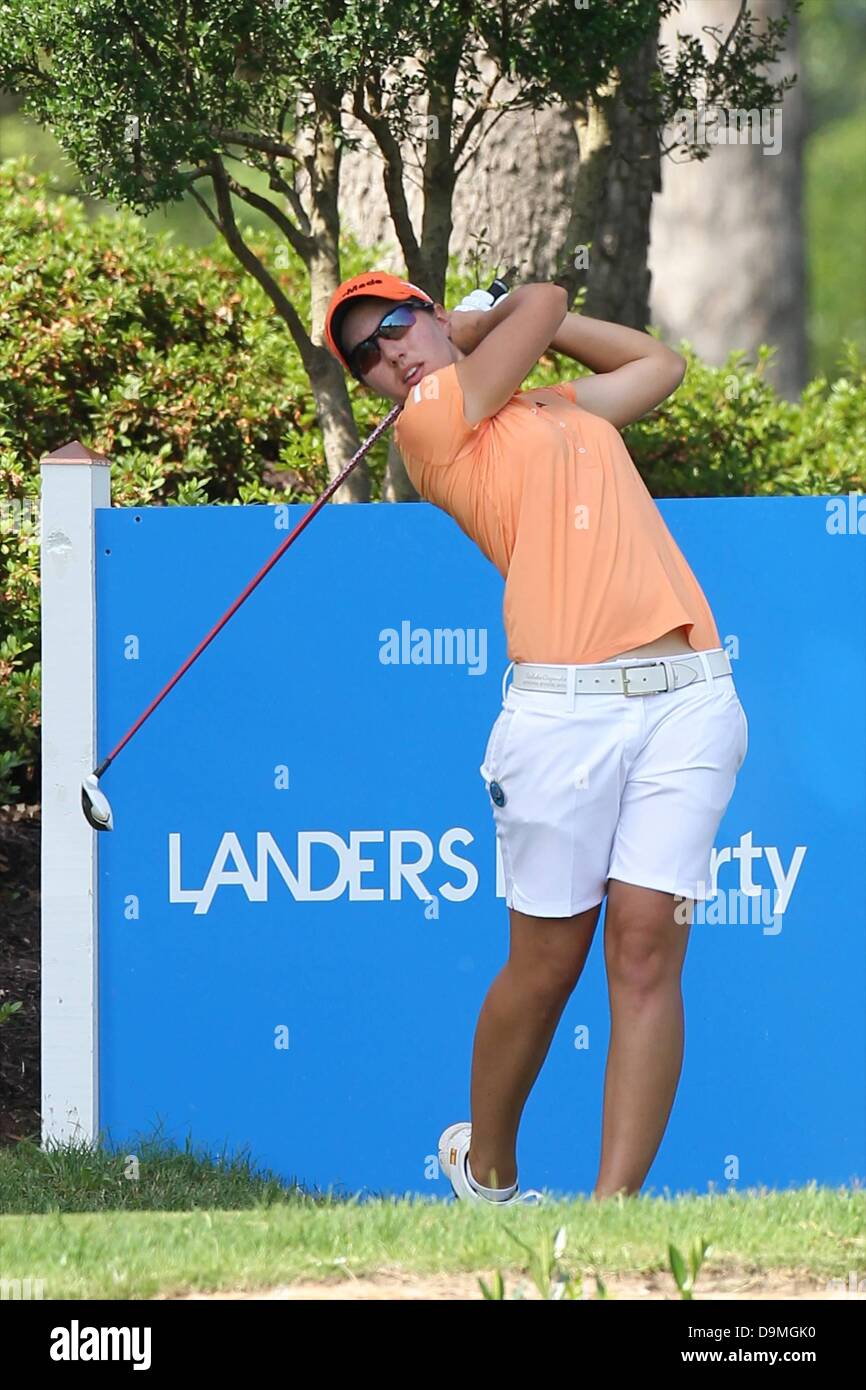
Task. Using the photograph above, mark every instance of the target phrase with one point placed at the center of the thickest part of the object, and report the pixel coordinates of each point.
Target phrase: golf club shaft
(284, 545)
(497, 288)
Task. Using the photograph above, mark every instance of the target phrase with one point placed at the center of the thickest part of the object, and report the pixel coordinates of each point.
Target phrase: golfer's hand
(468, 322)
(468, 327)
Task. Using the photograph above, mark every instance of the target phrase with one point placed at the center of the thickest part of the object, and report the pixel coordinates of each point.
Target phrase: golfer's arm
(491, 373)
(634, 371)
(603, 346)
(595, 343)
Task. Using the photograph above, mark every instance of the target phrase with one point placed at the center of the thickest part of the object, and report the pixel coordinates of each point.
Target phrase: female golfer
(615, 753)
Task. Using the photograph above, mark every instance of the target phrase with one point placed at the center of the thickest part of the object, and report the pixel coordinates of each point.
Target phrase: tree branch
(303, 245)
(207, 210)
(393, 175)
(458, 168)
(140, 42)
(280, 185)
(194, 174)
(281, 119)
(250, 261)
(255, 142)
(734, 27)
(272, 148)
(485, 105)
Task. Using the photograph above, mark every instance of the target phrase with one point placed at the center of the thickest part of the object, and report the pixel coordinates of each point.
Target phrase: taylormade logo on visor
(378, 280)
(438, 646)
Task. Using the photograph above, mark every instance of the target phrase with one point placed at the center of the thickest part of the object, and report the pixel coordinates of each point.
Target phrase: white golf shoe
(453, 1150)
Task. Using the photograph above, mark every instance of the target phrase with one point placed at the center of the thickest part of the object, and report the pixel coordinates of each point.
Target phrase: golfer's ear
(492, 373)
(442, 317)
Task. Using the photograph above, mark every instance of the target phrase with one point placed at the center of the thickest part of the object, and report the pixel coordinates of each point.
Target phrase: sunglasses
(396, 324)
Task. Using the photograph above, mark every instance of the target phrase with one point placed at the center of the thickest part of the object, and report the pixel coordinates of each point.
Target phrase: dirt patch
(399, 1285)
(19, 972)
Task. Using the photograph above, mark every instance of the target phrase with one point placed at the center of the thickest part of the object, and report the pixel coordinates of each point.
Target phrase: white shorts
(627, 787)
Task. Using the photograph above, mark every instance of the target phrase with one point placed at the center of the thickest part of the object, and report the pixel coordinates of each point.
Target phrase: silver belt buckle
(626, 691)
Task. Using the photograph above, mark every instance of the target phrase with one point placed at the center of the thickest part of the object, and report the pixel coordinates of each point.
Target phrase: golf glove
(477, 299)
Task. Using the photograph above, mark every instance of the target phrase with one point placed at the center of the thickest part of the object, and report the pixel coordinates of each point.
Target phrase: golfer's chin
(389, 389)
(397, 394)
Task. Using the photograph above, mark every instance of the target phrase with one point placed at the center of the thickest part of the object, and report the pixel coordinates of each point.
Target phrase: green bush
(172, 362)
(725, 432)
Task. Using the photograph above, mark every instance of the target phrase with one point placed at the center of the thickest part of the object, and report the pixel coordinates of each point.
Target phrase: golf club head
(95, 805)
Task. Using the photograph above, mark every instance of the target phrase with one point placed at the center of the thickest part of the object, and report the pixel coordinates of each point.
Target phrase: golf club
(94, 802)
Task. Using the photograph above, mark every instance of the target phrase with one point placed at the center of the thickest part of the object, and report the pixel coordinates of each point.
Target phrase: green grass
(151, 1175)
(75, 1221)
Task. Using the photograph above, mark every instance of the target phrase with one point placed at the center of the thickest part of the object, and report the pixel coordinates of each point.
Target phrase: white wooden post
(74, 482)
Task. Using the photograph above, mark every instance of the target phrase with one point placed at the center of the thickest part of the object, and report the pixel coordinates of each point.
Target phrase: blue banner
(300, 910)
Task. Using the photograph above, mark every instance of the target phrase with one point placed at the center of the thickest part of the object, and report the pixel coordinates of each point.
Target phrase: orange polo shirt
(550, 494)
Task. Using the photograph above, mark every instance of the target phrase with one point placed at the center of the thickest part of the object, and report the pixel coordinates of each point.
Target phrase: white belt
(663, 673)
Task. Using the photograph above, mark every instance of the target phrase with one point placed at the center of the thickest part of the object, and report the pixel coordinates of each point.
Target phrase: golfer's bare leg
(515, 1029)
(644, 948)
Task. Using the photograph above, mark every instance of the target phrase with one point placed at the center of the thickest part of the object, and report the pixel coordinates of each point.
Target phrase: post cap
(75, 452)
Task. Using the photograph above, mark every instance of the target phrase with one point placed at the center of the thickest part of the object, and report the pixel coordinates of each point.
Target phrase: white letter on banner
(411, 872)
(785, 881)
(306, 838)
(267, 848)
(458, 895)
(218, 875)
(747, 854)
(359, 866)
(176, 894)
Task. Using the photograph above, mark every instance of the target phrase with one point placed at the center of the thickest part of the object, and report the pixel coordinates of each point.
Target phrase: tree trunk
(321, 158)
(727, 248)
(438, 183)
(617, 176)
(339, 431)
(397, 485)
